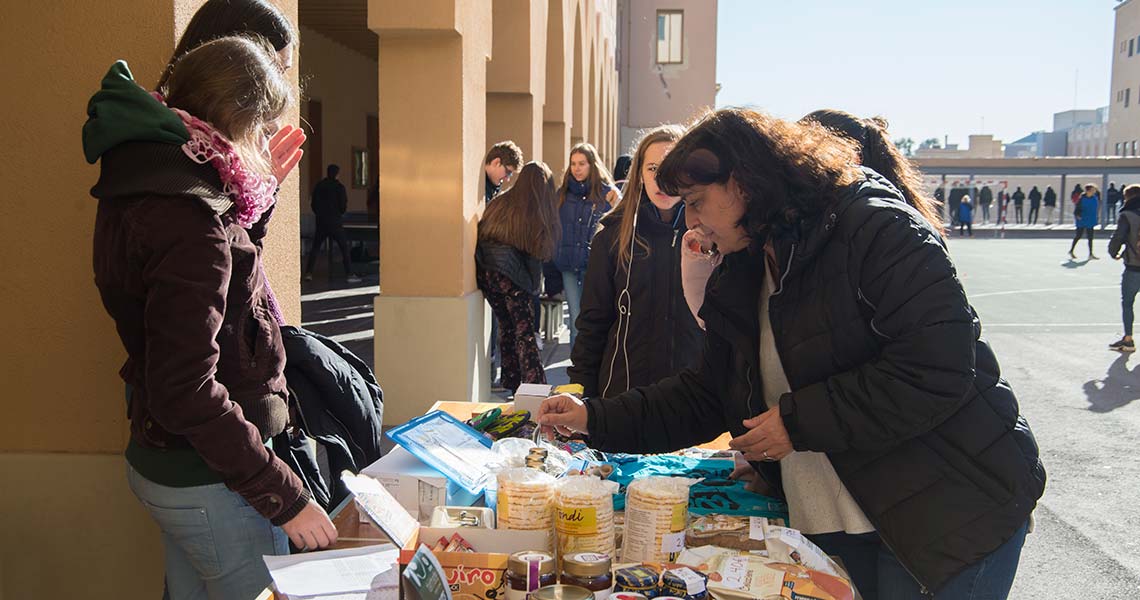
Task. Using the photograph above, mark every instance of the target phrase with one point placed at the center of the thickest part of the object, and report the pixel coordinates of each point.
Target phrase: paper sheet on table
(332, 571)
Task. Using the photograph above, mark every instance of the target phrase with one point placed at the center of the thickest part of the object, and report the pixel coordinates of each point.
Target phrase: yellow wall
(345, 82)
(67, 516)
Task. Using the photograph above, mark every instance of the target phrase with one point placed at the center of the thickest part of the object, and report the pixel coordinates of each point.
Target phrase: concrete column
(430, 318)
(66, 417)
(559, 85)
(579, 120)
(516, 75)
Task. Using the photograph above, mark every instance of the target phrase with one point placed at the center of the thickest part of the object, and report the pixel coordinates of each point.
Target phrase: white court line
(345, 293)
(351, 337)
(1047, 325)
(1040, 290)
(351, 317)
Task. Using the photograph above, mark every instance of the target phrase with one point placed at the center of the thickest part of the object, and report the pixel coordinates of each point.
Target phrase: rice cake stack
(584, 515)
(656, 516)
(525, 500)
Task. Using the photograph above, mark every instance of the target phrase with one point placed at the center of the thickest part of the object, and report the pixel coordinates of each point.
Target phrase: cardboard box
(529, 396)
(481, 574)
(417, 486)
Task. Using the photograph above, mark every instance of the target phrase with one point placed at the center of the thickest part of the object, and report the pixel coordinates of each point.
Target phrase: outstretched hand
(285, 150)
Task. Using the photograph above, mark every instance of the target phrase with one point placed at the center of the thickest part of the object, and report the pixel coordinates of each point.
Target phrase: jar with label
(563, 592)
(527, 572)
(591, 571)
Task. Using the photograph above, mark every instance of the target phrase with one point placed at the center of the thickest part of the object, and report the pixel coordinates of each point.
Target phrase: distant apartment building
(666, 53)
(979, 146)
(1124, 124)
(1087, 133)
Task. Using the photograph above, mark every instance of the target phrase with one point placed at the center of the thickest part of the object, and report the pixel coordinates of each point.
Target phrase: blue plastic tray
(453, 448)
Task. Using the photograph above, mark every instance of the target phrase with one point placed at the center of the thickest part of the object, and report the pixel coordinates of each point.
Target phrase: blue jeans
(214, 539)
(572, 285)
(878, 574)
(1129, 287)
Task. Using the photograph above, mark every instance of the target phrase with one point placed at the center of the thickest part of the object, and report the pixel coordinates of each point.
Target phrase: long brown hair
(221, 18)
(234, 84)
(634, 191)
(525, 216)
(787, 171)
(878, 152)
(598, 175)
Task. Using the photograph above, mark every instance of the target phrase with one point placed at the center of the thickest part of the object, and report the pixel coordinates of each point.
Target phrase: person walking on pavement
(329, 203)
(1086, 215)
(517, 232)
(965, 217)
(1125, 245)
(1050, 201)
(1018, 203)
(1034, 205)
(635, 328)
(587, 194)
(1112, 199)
(985, 198)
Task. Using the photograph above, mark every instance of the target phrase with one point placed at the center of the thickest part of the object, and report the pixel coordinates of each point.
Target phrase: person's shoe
(1072, 255)
(1123, 345)
(307, 277)
(353, 278)
(538, 340)
(1093, 256)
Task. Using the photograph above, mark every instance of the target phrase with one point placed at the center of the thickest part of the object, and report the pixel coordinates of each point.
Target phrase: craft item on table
(584, 516)
(526, 500)
(460, 453)
(506, 425)
(581, 466)
(481, 421)
(685, 583)
(656, 516)
(715, 493)
(639, 579)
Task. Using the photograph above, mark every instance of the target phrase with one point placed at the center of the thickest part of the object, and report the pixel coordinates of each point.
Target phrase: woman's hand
(563, 413)
(767, 439)
(285, 151)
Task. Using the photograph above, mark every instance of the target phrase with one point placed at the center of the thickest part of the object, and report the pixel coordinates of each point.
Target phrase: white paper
(673, 542)
(757, 526)
(331, 571)
(382, 507)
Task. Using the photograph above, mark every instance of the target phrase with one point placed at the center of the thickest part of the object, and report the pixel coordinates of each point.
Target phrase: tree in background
(905, 145)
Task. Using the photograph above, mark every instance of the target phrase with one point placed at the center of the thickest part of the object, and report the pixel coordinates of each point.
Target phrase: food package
(656, 516)
(685, 583)
(525, 499)
(751, 577)
(786, 545)
(639, 579)
(584, 515)
(724, 531)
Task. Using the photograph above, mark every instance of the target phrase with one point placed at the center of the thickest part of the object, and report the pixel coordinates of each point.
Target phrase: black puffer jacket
(889, 376)
(522, 269)
(659, 336)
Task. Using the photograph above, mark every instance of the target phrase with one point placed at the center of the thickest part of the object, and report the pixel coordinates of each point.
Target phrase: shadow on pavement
(1118, 388)
(1075, 264)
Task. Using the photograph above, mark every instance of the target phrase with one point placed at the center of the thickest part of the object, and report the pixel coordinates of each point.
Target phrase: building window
(1118, 148)
(670, 32)
(1127, 96)
(1133, 147)
(1131, 43)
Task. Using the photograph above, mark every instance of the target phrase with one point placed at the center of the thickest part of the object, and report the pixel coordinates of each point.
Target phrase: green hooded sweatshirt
(122, 111)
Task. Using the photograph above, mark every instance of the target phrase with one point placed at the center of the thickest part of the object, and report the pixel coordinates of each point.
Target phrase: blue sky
(931, 67)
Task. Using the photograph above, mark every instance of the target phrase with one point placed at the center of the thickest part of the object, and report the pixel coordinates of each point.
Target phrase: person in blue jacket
(966, 217)
(1086, 214)
(587, 193)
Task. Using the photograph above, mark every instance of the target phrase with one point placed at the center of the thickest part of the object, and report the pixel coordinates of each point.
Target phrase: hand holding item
(766, 440)
(285, 150)
(562, 413)
(311, 529)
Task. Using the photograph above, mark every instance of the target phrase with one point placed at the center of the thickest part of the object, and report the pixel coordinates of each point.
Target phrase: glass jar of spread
(563, 592)
(527, 572)
(591, 571)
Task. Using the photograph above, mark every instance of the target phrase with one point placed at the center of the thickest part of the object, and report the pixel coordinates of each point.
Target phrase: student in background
(1085, 213)
(1125, 245)
(499, 165)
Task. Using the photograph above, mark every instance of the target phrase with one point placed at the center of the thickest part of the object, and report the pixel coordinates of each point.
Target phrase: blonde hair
(598, 175)
(525, 216)
(236, 85)
(635, 190)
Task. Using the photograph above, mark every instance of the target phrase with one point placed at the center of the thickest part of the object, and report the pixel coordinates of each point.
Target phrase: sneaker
(307, 277)
(1123, 345)
(538, 340)
(1093, 256)
(353, 278)
(1072, 255)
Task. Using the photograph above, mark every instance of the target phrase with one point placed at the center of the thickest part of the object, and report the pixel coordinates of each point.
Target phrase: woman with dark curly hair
(842, 355)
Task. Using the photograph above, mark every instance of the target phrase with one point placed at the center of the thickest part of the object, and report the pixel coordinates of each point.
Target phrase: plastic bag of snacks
(656, 515)
(584, 515)
(525, 499)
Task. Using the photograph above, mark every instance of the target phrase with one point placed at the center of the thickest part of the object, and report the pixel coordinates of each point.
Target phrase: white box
(529, 397)
(417, 486)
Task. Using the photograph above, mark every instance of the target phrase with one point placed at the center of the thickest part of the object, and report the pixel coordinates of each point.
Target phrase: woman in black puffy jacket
(635, 327)
(844, 358)
(518, 231)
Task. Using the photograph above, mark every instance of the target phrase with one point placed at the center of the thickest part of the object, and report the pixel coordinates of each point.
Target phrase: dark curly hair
(878, 152)
(787, 171)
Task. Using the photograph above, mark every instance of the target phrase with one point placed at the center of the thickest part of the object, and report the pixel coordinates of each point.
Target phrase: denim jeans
(878, 574)
(214, 539)
(572, 285)
(1129, 287)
